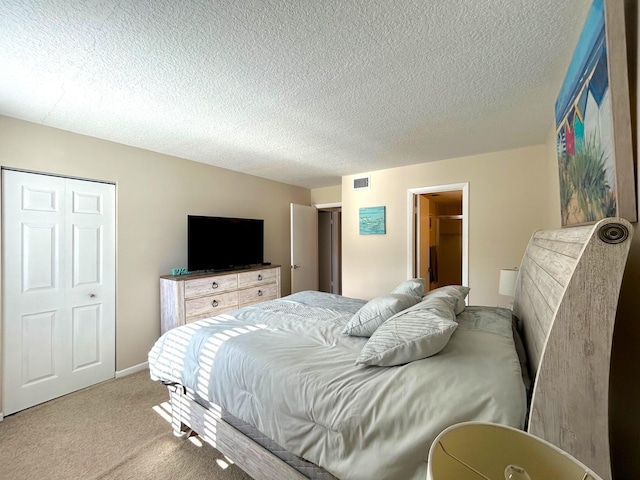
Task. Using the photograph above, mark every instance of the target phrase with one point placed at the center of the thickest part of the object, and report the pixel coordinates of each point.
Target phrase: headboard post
(566, 300)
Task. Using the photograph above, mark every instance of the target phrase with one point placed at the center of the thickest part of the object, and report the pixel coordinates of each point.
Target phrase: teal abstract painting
(372, 221)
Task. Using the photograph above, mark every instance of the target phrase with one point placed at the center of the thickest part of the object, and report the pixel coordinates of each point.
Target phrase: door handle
(296, 266)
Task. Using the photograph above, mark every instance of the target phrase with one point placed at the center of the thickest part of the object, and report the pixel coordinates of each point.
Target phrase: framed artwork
(593, 123)
(372, 221)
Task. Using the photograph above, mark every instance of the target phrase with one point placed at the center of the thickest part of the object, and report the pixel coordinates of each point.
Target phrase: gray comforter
(285, 367)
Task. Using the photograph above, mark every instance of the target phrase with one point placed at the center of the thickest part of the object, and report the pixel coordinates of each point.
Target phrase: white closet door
(58, 267)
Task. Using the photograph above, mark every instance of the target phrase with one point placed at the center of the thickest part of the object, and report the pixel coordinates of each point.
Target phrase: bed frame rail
(252, 458)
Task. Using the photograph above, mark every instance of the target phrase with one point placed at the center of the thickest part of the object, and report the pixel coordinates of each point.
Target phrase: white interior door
(58, 277)
(304, 248)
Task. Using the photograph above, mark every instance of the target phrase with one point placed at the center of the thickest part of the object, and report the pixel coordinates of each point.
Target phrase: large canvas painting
(594, 144)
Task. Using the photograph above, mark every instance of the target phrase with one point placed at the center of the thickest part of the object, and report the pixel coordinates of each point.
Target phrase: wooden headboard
(566, 299)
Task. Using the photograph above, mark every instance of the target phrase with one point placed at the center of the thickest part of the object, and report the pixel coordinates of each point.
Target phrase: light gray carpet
(108, 431)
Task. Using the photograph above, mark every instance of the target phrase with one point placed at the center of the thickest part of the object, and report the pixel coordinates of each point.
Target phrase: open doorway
(438, 235)
(330, 248)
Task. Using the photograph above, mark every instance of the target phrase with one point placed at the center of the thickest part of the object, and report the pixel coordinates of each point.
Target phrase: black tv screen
(221, 243)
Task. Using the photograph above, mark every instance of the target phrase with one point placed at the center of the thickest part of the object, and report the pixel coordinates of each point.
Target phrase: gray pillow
(411, 335)
(375, 312)
(414, 286)
(456, 293)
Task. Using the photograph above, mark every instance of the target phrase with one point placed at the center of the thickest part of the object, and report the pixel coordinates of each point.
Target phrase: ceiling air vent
(361, 183)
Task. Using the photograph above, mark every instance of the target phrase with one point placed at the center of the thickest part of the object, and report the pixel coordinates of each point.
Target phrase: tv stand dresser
(187, 298)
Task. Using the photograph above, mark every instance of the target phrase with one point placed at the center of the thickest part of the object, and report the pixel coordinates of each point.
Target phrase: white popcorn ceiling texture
(301, 92)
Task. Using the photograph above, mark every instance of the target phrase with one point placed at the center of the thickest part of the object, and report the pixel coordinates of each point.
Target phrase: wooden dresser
(186, 298)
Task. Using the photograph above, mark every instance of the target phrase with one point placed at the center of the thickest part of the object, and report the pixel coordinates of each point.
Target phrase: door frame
(411, 225)
(321, 206)
(73, 177)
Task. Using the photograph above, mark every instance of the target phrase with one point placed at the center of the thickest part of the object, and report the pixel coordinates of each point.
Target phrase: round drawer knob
(259, 293)
(259, 277)
(214, 303)
(214, 285)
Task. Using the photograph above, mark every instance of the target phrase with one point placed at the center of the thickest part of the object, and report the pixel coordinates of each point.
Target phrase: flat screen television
(221, 243)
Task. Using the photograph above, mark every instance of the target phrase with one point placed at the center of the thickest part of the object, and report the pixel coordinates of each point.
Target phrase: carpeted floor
(108, 431)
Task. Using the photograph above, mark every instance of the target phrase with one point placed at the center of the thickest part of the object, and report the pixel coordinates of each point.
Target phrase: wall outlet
(179, 271)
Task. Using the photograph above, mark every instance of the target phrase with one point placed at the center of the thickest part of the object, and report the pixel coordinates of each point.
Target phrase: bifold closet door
(58, 278)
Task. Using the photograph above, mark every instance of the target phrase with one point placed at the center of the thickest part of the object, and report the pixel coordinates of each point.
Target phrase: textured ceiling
(301, 92)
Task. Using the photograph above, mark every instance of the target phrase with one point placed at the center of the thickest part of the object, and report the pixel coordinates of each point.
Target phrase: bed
(276, 387)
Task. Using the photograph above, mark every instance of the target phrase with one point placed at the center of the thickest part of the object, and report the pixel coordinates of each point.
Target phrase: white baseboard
(130, 370)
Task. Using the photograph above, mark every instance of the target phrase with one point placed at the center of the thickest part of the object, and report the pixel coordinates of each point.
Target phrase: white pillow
(414, 286)
(411, 335)
(457, 293)
(375, 312)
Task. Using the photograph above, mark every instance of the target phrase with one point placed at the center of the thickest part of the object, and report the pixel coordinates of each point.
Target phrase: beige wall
(155, 193)
(508, 199)
(325, 195)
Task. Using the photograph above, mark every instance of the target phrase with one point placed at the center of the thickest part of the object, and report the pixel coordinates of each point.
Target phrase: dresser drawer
(257, 294)
(208, 285)
(210, 305)
(256, 277)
